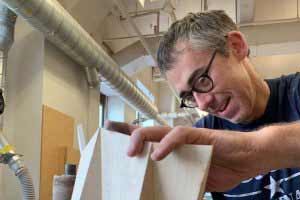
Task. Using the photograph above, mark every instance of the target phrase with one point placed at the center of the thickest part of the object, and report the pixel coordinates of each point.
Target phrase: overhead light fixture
(142, 2)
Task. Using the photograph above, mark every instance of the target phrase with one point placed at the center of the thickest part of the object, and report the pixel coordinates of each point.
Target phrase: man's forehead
(185, 66)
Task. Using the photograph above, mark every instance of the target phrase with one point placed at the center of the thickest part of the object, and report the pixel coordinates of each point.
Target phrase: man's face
(233, 95)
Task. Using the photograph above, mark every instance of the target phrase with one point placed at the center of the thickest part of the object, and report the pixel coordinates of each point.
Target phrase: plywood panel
(68, 155)
(182, 174)
(88, 180)
(57, 132)
(72, 156)
(122, 176)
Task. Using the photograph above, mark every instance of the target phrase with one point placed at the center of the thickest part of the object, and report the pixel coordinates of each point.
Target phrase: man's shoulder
(286, 88)
(289, 86)
(289, 79)
(294, 80)
(201, 123)
(209, 121)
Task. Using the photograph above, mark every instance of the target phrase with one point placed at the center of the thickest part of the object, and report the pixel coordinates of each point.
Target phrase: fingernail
(130, 152)
(154, 156)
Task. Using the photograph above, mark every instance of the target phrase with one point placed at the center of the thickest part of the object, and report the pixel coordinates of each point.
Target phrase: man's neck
(261, 89)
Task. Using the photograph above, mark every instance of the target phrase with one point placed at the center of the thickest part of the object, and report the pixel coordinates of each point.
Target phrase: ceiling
(103, 20)
(105, 23)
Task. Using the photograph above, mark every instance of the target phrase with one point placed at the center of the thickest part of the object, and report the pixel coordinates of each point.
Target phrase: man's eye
(189, 99)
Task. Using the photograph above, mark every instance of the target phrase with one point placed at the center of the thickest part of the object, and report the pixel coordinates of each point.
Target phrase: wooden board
(81, 139)
(72, 156)
(181, 175)
(68, 155)
(88, 180)
(122, 176)
(57, 132)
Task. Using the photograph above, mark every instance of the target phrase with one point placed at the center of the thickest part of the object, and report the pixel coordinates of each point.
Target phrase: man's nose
(203, 100)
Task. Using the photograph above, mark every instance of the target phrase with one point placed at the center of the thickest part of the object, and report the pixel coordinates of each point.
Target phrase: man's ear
(237, 44)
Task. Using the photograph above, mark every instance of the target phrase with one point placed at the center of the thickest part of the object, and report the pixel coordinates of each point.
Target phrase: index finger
(174, 139)
(147, 134)
(120, 127)
(177, 137)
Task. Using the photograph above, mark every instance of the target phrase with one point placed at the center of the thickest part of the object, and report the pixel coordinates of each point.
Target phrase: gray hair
(201, 31)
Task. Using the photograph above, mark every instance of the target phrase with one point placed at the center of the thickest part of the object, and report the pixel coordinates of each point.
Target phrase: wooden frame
(181, 175)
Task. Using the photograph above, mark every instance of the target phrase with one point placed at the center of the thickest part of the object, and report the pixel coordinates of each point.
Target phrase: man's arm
(282, 143)
(236, 156)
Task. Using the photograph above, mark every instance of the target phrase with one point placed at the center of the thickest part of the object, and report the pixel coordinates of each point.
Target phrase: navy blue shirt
(283, 106)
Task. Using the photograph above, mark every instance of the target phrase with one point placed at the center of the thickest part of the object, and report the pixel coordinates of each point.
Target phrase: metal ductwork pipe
(7, 23)
(92, 76)
(62, 30)
(7, 28)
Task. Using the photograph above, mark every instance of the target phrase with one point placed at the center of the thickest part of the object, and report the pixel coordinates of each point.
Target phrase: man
(253, 124)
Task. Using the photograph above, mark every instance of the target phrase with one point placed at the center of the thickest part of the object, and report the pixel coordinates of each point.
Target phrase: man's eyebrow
(182, 93)
(195, 74)
(191, 79)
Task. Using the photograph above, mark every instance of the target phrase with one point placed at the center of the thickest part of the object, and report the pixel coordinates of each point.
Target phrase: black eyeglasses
(202, 83)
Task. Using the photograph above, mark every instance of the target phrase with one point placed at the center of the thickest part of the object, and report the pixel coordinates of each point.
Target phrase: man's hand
(234, 157)
(237, 156)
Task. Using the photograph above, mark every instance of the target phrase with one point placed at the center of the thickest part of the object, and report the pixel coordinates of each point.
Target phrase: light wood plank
(182, 174)
(57, 132)
(88, 180)
(81, 138)
(72, 156)
(123, 177)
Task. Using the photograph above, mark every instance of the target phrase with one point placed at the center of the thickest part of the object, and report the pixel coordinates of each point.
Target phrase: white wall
(275, 66)
(165, 99)
(120, 111)
(38, 74)
(65, 88)
(275, 9)
(130, 114)
(23, 114)
(115, 109)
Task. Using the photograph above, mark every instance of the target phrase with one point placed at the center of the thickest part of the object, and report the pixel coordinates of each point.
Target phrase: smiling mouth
(224, 106)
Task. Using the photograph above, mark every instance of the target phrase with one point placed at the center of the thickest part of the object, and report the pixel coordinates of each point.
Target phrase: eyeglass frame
(194, 89)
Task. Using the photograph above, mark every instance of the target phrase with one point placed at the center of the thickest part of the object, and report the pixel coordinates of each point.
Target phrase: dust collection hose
(15, 163)
(7, 153)
(26, 183)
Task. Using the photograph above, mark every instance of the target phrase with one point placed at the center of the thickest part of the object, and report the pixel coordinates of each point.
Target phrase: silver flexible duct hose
(26, 183)
(62, 30)
(7, 24)
(3, 65)
(16, 164)
(8, 156)
(7, 27)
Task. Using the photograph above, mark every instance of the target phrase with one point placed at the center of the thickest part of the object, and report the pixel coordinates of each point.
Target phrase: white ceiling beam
(245, 11)
(124, 12)
(275, 49)
(169, 8)
(272, 33)
(142, 2)
(227, 5)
